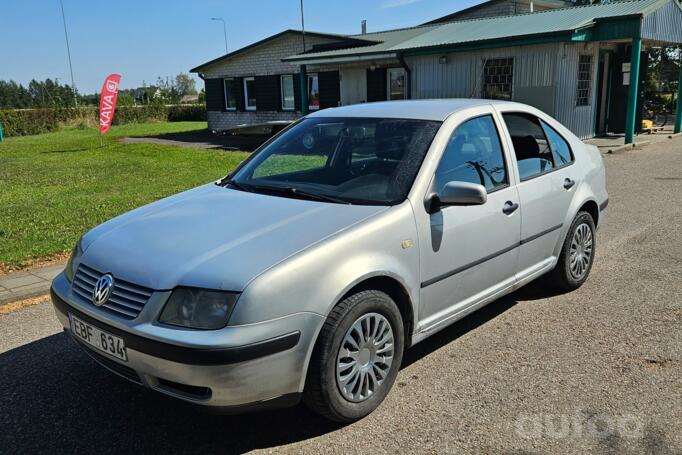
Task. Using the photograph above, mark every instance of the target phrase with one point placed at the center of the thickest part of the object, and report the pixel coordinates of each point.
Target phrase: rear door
(547, 180)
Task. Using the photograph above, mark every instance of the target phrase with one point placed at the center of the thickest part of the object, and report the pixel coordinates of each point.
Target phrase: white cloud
(396, 3)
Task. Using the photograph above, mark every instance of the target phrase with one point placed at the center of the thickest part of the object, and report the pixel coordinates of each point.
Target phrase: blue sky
(145, 39)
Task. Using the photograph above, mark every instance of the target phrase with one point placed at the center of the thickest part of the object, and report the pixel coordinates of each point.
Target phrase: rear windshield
(353, 160)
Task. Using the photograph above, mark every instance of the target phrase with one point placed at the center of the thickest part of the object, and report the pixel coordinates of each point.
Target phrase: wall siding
(264, 60)
(495, 9)
(544, 76)
(579, 119)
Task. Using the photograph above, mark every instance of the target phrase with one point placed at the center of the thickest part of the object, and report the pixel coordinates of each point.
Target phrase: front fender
(317, 278)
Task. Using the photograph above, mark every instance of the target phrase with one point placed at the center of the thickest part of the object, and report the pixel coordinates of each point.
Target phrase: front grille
(115, 367)
(126, 300)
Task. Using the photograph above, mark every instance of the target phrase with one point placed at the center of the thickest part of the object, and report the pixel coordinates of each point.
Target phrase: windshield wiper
(239, 186)
(302, 193)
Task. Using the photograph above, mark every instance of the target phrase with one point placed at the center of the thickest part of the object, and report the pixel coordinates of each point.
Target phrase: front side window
(533, 154)
(561, 151)
(313, 92)
(474, 154)
(231, 88)
(584, 87)
(498, 79)
(354, 160)
(287, 89)
(250, 93)
(396, 83)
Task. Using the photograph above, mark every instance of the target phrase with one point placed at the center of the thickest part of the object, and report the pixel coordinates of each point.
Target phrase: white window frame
(281, 91)
(312, 107)
(388, 82)
(236, 99)
(247, 106)
(590, 81)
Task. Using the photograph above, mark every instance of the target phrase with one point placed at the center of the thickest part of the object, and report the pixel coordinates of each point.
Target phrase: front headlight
(198, 308)
(70, 269)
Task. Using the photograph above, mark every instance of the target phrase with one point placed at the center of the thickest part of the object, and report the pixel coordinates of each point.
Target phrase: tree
(185, 85)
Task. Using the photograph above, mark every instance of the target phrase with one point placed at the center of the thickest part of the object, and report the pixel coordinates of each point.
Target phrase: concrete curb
(28, 284)
(6, 300)
(673, 136)
(625, 147)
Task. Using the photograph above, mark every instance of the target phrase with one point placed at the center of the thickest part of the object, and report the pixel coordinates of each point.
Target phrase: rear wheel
(577, 254)
(356, 358)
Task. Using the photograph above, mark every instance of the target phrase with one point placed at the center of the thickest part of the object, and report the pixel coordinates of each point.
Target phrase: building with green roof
(582, 65)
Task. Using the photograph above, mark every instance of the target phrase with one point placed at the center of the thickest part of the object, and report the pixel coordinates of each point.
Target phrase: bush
(23, 122)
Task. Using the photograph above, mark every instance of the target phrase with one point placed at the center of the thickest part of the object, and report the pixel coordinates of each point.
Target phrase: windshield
(343, 160)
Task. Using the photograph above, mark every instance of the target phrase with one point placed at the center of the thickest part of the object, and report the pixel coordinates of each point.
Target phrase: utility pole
(68, 52)
(224, 30)
(302, 26)
(302, 74)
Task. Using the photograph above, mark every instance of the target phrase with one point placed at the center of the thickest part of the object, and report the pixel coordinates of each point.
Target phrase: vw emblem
(102, 290)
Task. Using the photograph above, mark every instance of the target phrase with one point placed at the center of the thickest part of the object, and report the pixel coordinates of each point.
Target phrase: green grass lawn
(56, 186)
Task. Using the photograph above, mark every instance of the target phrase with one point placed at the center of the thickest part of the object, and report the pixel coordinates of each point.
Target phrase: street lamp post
(224, 30)
(68, 52)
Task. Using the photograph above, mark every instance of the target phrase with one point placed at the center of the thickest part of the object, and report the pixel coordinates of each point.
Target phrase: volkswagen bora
(352, 235)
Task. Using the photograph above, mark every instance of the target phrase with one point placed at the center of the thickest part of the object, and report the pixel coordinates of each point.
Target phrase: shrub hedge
(23, 122)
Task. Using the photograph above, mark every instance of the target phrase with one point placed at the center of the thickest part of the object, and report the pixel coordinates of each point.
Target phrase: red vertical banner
(107, 102)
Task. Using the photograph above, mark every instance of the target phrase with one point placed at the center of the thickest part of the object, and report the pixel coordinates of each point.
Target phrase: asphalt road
(595, 371)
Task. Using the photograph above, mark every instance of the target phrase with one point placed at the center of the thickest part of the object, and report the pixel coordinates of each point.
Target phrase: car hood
(212, 237)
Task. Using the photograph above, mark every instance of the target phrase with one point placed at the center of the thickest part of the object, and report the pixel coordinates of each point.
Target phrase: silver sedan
(352, 235)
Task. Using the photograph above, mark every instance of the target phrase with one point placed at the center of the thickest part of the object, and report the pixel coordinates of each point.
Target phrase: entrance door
(353, 86)
(604, 92)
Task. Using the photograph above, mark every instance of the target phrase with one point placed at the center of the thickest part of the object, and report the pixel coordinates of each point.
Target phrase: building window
(584, 90)
(250, 93)
(498, 79)
(286, 82)
(396, 84)
(313, 92)
(230, 93)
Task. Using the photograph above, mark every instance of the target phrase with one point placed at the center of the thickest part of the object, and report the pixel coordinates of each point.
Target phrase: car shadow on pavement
(55, 398)
(530, 292)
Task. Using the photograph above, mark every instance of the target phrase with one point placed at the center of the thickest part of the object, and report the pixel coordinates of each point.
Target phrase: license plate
(99, 339)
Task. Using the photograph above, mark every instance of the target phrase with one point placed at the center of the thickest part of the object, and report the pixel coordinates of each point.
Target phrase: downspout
(678, 113)
(304, 90)
(408, 76)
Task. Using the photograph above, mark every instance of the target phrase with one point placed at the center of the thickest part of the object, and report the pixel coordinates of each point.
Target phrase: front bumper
(229, 374)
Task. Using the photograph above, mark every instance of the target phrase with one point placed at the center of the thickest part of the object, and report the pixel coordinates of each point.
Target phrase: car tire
(330, 389)
(568, 274)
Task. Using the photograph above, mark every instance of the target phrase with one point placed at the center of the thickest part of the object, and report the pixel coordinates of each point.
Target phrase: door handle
(509, 208)
(568, 184)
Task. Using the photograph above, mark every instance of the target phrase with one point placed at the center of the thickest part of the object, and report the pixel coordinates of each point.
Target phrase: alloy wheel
(581, 251)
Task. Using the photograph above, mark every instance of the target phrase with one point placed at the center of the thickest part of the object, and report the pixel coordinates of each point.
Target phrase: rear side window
(561, 151)
(533, 153)
(474, 155)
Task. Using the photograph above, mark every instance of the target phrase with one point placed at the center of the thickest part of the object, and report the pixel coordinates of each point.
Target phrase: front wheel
(356, 358)
(577, 254)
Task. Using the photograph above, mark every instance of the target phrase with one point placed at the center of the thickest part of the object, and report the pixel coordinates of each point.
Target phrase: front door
(469, 253)
(353, 86)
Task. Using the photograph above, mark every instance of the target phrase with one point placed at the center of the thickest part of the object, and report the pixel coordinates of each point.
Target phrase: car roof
(437, 110)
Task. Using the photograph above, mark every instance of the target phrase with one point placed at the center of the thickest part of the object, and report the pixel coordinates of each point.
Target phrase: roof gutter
(301, 59)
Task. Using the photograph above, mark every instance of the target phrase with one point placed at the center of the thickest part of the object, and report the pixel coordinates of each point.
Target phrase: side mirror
(457, 193)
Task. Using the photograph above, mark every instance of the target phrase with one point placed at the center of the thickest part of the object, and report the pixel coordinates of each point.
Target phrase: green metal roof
(545, 23)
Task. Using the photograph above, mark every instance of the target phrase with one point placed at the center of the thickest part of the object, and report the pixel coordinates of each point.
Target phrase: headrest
(391, 142)
(525, 147)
